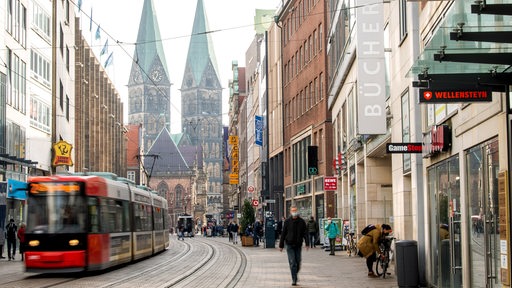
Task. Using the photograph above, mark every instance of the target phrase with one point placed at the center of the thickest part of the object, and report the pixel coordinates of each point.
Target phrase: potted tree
(246, 220)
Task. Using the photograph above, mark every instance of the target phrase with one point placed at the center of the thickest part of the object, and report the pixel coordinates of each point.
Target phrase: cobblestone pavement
(266, 267)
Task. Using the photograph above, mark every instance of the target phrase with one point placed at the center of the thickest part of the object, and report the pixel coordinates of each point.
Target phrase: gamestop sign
(371, 89)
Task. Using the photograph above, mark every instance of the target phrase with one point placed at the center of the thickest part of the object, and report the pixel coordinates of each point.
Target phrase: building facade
(307, 125)
(100, 135)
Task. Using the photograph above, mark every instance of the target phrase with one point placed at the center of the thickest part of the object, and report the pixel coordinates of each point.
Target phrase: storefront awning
(478, 34)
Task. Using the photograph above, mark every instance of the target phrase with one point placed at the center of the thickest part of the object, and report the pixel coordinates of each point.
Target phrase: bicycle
(383, 261)
(351, 244)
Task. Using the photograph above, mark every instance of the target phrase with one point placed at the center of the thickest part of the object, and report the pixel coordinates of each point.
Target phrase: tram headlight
(33, 243)
(73, 242)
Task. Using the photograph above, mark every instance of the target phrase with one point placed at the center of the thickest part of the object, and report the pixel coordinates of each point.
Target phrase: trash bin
(407, 263)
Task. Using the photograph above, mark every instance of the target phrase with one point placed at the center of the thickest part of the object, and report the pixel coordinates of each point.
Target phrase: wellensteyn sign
(371, 89)
(403, 148)
(455, 95)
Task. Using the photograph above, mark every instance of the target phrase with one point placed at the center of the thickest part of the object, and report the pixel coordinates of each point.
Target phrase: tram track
(198, 262)
(222, 269)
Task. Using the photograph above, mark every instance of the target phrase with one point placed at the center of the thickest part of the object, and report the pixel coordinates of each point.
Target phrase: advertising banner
(259, 130)
(371, 68)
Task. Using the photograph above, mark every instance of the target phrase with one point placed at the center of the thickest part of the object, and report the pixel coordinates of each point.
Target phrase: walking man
(11, 230)
(294, 231)
(313, 231)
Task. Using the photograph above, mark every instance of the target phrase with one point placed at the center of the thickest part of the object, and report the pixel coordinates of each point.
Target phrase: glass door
(482, 170)
(444, 191)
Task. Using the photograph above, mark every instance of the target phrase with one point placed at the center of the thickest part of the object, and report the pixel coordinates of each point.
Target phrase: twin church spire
(149, 94)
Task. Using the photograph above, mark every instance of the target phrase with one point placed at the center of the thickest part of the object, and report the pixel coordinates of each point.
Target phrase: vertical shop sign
(371, 85)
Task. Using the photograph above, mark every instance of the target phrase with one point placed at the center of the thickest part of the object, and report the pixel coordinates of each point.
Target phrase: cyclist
(368, 245)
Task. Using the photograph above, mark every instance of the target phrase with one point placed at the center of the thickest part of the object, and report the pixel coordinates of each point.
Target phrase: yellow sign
(62, 154)
(235, 170)
(233, 176)
(233, 181)
(234, 155)
(234, 164)
(235, 149)
(233, 140)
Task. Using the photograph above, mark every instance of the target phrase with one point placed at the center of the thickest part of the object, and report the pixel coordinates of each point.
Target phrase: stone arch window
(162, 189)
(179, 191)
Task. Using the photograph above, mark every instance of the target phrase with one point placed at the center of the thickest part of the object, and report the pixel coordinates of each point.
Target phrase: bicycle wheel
(381, 267)
(354, 249)
(378, 267)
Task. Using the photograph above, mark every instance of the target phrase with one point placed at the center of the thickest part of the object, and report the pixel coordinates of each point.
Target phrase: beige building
(460, 180)
(99, 130)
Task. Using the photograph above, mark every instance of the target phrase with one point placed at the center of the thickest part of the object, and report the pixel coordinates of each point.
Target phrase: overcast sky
(119, 22)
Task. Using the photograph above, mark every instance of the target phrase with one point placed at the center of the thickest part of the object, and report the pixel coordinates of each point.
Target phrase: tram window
(157, 213)
(142, 217)
(104, 216)
(93, 215)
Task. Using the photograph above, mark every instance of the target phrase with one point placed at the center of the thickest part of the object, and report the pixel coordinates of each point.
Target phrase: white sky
(119, 21)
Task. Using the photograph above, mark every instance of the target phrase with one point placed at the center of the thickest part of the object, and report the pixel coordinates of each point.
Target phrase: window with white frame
(40, 66)
(41, 22)
(40, 113)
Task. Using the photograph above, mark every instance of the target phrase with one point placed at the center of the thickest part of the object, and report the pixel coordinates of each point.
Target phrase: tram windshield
(58, 207)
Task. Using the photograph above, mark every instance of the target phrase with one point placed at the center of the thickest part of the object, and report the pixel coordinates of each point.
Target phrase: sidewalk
(268, 267)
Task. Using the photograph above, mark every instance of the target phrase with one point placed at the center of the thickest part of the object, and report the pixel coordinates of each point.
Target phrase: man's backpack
(367, 229)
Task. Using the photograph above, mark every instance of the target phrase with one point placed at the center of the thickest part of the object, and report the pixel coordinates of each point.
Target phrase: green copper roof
(200, 49)
(149, 44)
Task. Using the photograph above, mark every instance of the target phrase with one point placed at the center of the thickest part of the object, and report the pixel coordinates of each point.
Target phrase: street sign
(250, 189)
(255, 202)
(270, 201)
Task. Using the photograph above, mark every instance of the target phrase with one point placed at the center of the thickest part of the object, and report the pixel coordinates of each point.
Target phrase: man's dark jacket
(294, 231)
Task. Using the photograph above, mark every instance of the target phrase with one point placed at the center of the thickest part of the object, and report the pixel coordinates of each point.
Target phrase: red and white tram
(85, 223)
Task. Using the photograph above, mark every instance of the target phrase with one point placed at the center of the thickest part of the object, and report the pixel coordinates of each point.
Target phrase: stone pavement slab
(268, 267)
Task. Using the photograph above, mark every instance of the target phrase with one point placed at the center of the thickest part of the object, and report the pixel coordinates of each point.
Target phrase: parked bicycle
(351, 244)
(382, 265)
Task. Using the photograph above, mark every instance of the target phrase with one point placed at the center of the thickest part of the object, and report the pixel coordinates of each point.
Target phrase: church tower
(201, 103)
(149, 86)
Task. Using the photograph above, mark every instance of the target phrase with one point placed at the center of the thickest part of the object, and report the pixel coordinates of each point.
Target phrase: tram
(79, 223)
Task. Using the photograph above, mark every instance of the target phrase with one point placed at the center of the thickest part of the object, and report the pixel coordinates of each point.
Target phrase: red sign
(255, 202)
(250, 189)
(330, 183)
(455, 95)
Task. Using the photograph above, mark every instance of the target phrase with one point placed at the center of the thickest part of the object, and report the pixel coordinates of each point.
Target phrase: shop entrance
(482, 170)
(444, 191)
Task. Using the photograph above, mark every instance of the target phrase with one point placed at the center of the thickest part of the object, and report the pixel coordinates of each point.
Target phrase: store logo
(455, 95)
(427, 95)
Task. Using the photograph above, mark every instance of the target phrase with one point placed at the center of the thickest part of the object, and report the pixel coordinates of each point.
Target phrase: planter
(247, 241)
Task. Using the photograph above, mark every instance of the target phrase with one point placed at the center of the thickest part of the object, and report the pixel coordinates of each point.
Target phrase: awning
(17, 189)
(479, 34)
